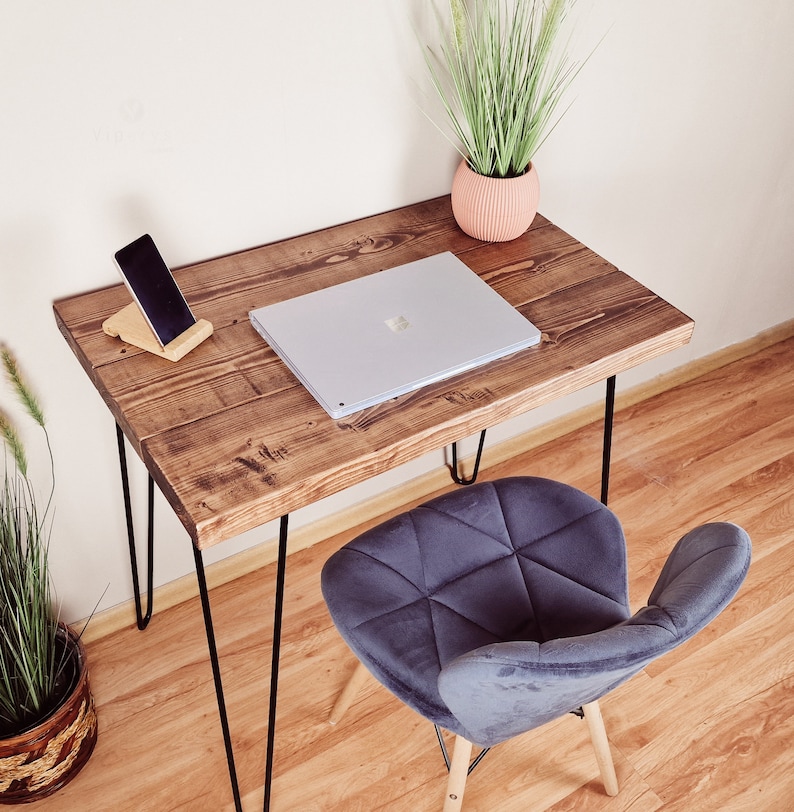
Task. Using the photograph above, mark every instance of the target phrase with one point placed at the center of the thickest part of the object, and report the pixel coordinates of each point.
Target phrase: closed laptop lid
(365, 341)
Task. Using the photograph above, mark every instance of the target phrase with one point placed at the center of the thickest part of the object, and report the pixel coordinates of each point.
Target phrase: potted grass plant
(501, 73)
(48, 724)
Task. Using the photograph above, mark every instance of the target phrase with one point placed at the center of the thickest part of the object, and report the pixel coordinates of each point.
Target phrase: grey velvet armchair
(499, 607)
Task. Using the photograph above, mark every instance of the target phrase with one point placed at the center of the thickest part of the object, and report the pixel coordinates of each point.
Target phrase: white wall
(217, 126)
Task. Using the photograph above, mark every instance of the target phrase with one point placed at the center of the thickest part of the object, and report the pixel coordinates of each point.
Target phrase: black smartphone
(154, 288)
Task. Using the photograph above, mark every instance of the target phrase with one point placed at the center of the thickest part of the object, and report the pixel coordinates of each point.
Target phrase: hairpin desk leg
(216, 675)
(609, 414)
(457, 478)
(276, 651)
(143, 622)
(142, 619)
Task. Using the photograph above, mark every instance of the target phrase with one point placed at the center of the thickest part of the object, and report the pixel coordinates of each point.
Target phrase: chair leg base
(598, 735)
(459, 766)
(345, 699)
(458, 772)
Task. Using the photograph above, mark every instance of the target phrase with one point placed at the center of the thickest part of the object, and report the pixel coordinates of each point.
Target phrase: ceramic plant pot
(39, 761)
(494, 209)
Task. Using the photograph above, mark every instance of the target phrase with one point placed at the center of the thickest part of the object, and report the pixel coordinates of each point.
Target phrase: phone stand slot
(129, 325)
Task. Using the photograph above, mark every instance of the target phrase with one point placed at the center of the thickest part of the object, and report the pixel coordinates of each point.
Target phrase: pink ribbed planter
(494, 209)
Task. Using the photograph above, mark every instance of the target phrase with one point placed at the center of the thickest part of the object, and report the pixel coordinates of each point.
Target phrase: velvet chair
(501, 606)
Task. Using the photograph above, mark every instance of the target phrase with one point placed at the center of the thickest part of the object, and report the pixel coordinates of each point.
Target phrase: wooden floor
(708, 727)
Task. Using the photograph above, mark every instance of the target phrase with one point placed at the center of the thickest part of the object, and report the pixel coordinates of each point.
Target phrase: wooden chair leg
(598, 735)
(458, 772)
(345, 699)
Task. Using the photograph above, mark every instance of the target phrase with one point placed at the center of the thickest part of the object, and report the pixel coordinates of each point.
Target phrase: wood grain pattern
(234, 441)
(707, 728)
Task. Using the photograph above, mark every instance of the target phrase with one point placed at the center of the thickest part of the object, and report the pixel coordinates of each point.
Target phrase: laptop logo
(398, 324)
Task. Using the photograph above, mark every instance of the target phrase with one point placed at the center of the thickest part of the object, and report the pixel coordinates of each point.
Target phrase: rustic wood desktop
(232, 439)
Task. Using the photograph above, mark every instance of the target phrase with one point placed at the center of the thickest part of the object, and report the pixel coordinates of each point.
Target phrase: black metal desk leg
(609, 414)
(276, 651)
(456, 476)
(142, 619)
(216, 674)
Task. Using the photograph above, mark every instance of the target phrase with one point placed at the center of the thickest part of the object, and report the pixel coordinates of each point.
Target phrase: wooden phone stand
(129, 325)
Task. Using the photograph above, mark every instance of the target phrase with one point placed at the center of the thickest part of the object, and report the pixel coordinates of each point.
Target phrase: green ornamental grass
(31, 660)
(501, 74)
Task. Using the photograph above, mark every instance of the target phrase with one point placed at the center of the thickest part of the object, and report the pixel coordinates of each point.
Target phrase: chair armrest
(701, 576)
(503, 689)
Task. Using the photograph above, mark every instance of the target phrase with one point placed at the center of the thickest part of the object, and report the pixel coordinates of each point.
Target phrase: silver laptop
(366, 341)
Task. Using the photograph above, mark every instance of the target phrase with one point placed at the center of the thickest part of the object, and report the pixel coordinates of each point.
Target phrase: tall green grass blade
(501, 76)
(30, 665)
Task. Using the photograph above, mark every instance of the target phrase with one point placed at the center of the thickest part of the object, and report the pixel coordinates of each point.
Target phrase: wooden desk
(233, 440)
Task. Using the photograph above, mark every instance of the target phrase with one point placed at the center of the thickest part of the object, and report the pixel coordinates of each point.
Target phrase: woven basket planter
(41, 760)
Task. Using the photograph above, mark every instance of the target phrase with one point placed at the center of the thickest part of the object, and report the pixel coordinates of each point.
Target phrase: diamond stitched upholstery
(498, 607)
(518, 559)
